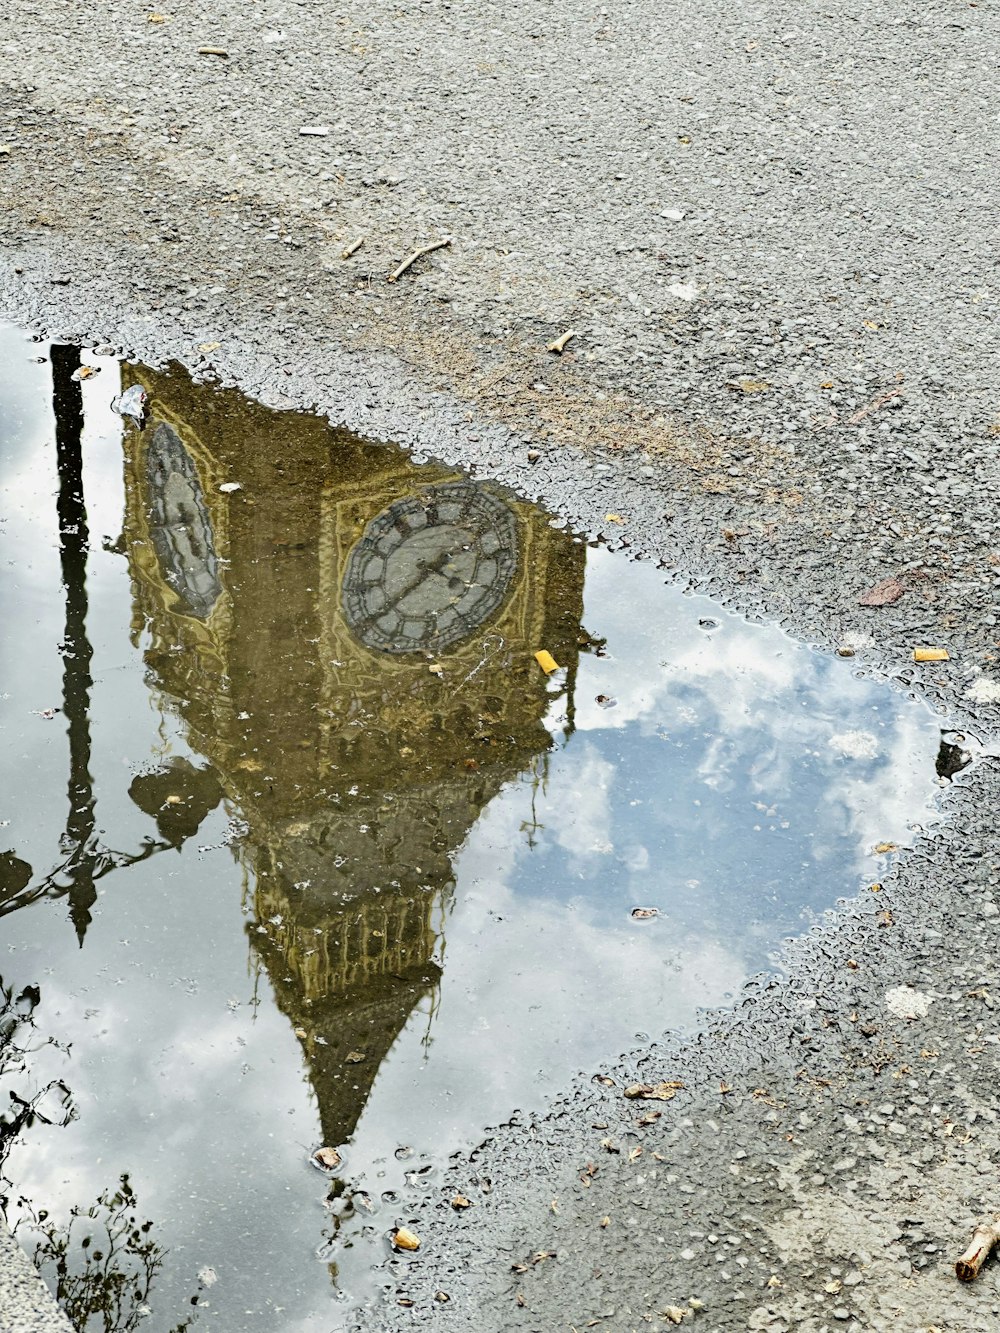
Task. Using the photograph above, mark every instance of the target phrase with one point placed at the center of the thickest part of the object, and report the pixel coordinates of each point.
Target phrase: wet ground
(306, 850)
(772, 240)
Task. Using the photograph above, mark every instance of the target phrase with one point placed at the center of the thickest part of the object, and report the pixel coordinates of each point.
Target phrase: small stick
(560, 343)
(396, 274)
(984, 1239)
(213, 51)
(873, 406)
(353, 248)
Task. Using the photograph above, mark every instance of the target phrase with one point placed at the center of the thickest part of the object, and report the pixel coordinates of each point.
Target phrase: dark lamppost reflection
(85, 860)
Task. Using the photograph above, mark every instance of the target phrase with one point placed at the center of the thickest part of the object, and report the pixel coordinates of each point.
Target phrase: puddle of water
(311, 851)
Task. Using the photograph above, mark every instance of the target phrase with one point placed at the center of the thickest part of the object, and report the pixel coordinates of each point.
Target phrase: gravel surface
(25, 1303)
(770, 231)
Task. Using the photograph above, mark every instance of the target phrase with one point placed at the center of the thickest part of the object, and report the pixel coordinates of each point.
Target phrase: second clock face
(179, 523)
(430, 569)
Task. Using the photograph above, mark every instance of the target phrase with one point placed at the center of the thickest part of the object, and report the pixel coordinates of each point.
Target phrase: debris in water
(85, 372)
(884, 848)
(931, 655)
(644, 913)
(404, 1239)
(47, 713)
(660, 1092)
(228, 487)
(354, 1057)
(546, 661)
(605, 701)
(326, 1159)
(951, 758)
(132, 404)
(459, 1202)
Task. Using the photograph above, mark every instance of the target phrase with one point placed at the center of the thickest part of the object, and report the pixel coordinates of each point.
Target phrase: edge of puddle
(766, 1008)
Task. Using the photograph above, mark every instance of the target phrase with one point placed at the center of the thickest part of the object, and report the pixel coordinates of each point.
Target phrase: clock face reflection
(430, 569)
(180, 527)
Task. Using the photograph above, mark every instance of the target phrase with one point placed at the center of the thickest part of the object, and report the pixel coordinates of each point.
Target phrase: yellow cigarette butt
(547, 662)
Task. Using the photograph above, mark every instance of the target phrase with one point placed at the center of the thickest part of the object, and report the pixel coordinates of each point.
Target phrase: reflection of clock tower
(350, 640)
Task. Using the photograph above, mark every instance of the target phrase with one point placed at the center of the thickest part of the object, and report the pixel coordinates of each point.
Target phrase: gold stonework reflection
(350, 641)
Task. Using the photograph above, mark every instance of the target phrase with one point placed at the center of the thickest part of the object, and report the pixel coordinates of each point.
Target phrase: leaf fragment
(327, 1159)
(538, 1257)
(660, 1092)
(883, 594)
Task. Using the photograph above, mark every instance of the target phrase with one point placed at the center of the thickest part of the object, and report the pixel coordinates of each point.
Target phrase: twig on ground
(396, 274)
(559, 346)
(874, 406)
(984, 1239)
